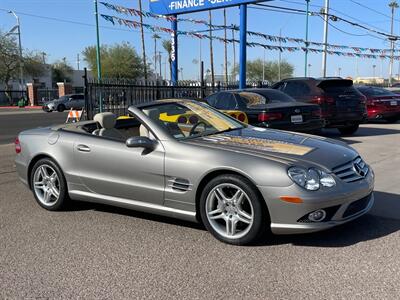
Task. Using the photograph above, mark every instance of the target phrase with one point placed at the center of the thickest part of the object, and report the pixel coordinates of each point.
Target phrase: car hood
(285, 146)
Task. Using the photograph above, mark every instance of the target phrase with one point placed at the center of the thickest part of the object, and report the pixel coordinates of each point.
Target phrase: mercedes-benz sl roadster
(184, 159)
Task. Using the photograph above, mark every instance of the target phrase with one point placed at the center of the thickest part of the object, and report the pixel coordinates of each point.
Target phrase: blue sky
(64, 39)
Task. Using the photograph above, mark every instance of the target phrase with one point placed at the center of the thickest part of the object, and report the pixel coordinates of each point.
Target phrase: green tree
(118, 61)
(61, 71)
(167, 45)
(10, 60)
(271, 70)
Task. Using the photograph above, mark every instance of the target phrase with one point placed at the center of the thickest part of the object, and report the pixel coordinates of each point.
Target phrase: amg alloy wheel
(48, 184)
(231, 210)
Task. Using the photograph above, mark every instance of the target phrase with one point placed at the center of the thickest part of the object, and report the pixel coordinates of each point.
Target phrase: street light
(21, 69)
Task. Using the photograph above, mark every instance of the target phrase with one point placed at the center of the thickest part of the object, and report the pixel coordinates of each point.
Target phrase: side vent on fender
(179, 184)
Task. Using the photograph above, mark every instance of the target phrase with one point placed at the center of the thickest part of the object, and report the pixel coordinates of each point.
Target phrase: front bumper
(340, 203)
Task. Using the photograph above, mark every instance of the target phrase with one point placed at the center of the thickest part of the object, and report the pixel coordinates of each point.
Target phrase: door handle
(83, 148)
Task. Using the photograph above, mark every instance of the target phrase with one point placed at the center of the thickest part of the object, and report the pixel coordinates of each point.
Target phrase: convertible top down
(184, 159)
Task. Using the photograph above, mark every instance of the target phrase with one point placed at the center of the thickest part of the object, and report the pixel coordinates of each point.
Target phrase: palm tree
(155, 37)
(167, 45)
(211, 49)
(143, 46)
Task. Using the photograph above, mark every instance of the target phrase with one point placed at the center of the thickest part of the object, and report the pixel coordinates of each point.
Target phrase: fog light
(317, 216)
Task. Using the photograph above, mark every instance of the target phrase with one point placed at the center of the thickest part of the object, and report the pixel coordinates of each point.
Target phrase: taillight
(264, 116)
(241, 117)
(18, 148)
(322, 99)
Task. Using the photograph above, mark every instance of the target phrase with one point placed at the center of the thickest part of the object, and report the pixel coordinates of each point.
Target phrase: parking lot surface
(96, 251)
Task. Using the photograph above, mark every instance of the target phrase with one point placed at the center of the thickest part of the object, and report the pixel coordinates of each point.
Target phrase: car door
(75, 101)
(109, 167)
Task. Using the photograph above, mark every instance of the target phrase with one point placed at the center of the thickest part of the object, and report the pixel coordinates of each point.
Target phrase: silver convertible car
(184, 159)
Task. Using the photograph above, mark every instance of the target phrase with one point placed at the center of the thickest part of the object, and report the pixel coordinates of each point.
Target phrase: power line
(74, 22)
(337, 11)
(374, 10)
(333, 16)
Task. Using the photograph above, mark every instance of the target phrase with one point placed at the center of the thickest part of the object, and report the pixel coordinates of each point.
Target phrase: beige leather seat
(107, 122)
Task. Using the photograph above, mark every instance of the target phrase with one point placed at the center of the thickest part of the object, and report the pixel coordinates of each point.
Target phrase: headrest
(106, 119)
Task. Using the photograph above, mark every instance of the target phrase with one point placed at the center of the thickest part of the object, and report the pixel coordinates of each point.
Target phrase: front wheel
(232, 210)
(61, 108)
(48, 185)
(348, 130)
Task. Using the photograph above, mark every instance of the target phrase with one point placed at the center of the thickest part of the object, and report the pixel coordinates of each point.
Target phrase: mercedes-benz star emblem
(359, 170)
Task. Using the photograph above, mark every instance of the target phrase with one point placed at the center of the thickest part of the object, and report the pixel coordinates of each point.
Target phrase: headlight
(311, 179)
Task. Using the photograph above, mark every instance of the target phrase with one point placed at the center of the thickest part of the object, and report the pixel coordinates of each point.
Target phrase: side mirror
(140, 142)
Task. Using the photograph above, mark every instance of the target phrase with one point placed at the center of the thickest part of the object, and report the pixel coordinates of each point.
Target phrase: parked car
(270, 108)
(238, 180)
(76, 101)
(381, 103)
(343, 107)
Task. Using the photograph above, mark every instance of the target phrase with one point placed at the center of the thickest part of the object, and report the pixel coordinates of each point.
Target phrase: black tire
(261, 221)
(60, 107)
(63, 198)
(348, 130)
(392, 119)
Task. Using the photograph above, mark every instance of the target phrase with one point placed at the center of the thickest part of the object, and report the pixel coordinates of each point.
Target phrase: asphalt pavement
(13, 121)
(99, 252)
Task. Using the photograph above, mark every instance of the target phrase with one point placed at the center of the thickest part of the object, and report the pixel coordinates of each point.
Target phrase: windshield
(265, 97)
(186, 119)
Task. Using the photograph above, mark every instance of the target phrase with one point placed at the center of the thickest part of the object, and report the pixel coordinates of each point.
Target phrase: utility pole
(306, 41)
(159, 62)
(21, 60)
(78, 61)
(234, 53)
(373, 71)
(96, 12)
(393, 5)
(279, 55)
(325, 47)
(211, 50)
(225, 50)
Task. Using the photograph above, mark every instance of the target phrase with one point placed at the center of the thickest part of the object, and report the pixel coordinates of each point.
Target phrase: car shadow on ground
(383, 220)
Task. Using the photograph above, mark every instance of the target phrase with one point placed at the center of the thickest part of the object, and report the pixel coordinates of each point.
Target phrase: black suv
(343, 106)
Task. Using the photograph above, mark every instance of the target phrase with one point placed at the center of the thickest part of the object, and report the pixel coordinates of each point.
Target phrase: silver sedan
(184, 159)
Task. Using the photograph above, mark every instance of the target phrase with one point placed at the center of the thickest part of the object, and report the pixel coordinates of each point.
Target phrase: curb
(17, 107)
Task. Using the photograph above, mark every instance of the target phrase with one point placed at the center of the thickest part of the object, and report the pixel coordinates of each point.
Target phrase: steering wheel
(192, 131)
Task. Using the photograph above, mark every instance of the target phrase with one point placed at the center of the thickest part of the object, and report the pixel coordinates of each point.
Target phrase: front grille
(179, 184)
(352, 171)
(357, 206)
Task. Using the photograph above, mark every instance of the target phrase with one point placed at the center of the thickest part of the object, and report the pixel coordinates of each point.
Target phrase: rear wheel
(347, 130)
(232, 210)
(48, 185)
(61, 108)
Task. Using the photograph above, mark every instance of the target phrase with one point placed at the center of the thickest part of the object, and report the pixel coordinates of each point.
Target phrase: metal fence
(118, 94)
(11, 97)
(45, 94)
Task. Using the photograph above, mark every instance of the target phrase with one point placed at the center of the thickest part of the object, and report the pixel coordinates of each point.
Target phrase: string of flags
(133, 24)
(272, 38)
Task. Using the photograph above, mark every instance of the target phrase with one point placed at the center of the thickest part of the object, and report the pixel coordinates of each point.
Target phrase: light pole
(306, 41)
(324, 53)
(309, 69)
(339, 70)
(373, 71)
(21, 66)
(393, 5)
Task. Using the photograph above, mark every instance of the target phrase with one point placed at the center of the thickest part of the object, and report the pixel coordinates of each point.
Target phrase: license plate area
(296, 119)
(393, 103)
